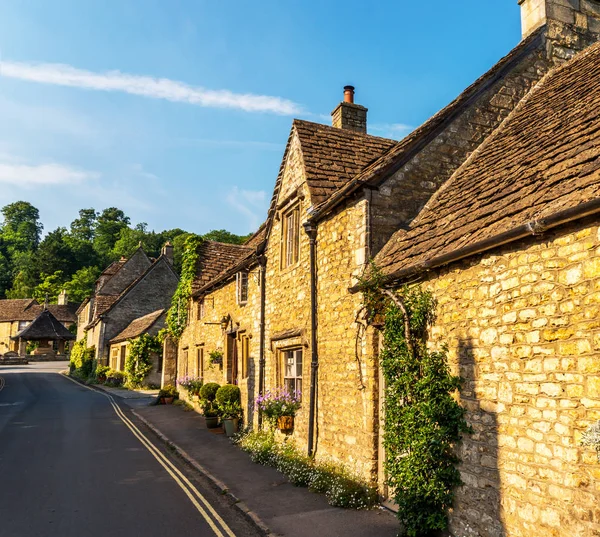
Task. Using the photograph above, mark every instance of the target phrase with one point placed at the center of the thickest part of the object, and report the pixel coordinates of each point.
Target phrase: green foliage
(101, 372)
(168, 391)
(84, 227)
(178, 313)
(423, 422)
(139, 358)
(82, 359)
(229, 410)
(115, 379)
(193, 385)
(209, 391)
(21, 229)
(50, 286)
(228, 393)
(107, 231)
(215, 357)
(82, 283)
(221, 235)
(341, 487)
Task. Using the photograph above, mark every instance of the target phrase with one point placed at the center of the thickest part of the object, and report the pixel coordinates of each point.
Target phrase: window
(241, 285)
(200, 362)
(290, 237)
(23, 325)
(292, 370)
(245, 341)
(201, 309)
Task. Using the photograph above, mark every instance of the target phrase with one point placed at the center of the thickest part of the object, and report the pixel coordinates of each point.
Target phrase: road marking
(1, 383)
(188, 488)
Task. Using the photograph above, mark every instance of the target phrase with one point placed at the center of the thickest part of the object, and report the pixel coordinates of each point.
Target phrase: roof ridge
(342, 132)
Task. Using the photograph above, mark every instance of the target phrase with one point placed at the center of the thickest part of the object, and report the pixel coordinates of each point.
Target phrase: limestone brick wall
(245, 322)
(348, 386)
(523, 328)
(287, 304)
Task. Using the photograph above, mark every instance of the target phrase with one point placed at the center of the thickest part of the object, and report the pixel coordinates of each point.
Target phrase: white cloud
(251, 203)
(157, 88)
(396, 131)
(29, 176)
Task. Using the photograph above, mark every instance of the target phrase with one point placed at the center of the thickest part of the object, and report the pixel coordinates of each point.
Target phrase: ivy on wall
(139, 359)
(423, 422)
(177, 316)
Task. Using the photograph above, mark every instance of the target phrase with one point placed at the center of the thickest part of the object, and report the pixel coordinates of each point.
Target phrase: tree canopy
(32, 266)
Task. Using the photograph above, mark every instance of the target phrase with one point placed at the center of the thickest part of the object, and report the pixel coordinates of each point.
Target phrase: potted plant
(216, 357)
(279, 408)
(191, 384)
(101, 371)
(230, 409)
(167, 394)
(208, 393)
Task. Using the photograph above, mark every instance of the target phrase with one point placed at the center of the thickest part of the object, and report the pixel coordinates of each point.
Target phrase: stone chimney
(63, 298)
(167, 251)
(348, 115)
(572, 25)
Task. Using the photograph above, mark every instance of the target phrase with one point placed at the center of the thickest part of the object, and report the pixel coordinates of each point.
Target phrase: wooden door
(232, 359)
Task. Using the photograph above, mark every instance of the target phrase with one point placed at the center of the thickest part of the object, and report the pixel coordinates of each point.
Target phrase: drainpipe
(311, 230)
(262, 361)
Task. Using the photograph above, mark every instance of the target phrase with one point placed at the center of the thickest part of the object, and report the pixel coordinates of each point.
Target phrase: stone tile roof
(215, 258)
(258, 237)
(45, 326)
(140, 326)
(543, 159)
(402, 151)
(333, 156)
(27, 309)
(114, 267)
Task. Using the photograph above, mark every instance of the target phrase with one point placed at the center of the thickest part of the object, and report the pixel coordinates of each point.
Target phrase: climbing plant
(82, 358)
(178, 312)
(139, 359)
(423, 422)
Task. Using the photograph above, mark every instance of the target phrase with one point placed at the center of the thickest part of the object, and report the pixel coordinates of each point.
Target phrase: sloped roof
(258, 237)
(403, 151)
(114, 267)
(215, 258)
(27, 309)
(140, 326)
(544, 159)
(332, 156)
(45, 326)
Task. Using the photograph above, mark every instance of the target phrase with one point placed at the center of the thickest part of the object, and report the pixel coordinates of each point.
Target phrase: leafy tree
(56, 254)
(21, 229)
(50, 286)
(82, 283)
(108, 229)
(222, 235)
(23, 286)
(84, 227)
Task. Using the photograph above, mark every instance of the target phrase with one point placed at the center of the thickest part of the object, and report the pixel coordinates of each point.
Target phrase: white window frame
(294, 380)
(290, 237)
(201, 309)
(241, 288)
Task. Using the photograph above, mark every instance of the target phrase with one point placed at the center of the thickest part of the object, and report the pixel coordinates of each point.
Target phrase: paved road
(70, 466)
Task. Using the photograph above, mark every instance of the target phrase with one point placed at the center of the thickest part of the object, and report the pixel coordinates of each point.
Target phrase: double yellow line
(217, 524)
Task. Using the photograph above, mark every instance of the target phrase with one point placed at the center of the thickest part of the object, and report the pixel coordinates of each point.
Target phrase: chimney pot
(349, 94)
(167, 251)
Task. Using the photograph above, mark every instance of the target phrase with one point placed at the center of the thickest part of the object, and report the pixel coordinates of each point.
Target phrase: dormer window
(290, 237)
(241, 285)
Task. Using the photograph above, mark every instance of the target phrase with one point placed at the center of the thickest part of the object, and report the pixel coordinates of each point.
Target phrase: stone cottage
(491, 204)
(17, 314)
(126, 290)
(149, 324)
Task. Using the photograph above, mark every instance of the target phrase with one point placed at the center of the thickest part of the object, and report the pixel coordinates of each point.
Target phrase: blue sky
(178, 111)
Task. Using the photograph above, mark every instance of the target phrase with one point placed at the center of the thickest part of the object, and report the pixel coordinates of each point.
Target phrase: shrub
(340, 486)
(81, 363)
(101, 371)
(139, 358)
(114, 378)
(168, 391)
(208, 392)
(228, 393)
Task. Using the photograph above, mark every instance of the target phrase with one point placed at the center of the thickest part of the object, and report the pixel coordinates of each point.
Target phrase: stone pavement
(277, 506)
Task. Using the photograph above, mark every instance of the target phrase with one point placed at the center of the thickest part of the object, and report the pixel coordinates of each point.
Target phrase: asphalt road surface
(73, 463)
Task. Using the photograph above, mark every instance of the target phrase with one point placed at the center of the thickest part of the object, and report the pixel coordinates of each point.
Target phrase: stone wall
(523, 328)
(207, 334)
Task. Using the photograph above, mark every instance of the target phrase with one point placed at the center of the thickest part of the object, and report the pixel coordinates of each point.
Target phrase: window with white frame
(292, 370)
(290, 237)
(201, 309)
(241, 281)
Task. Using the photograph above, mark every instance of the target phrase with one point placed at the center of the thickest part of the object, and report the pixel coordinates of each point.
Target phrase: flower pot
(285, 423)
(168, 400)
(212, 422)
(231, 426)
